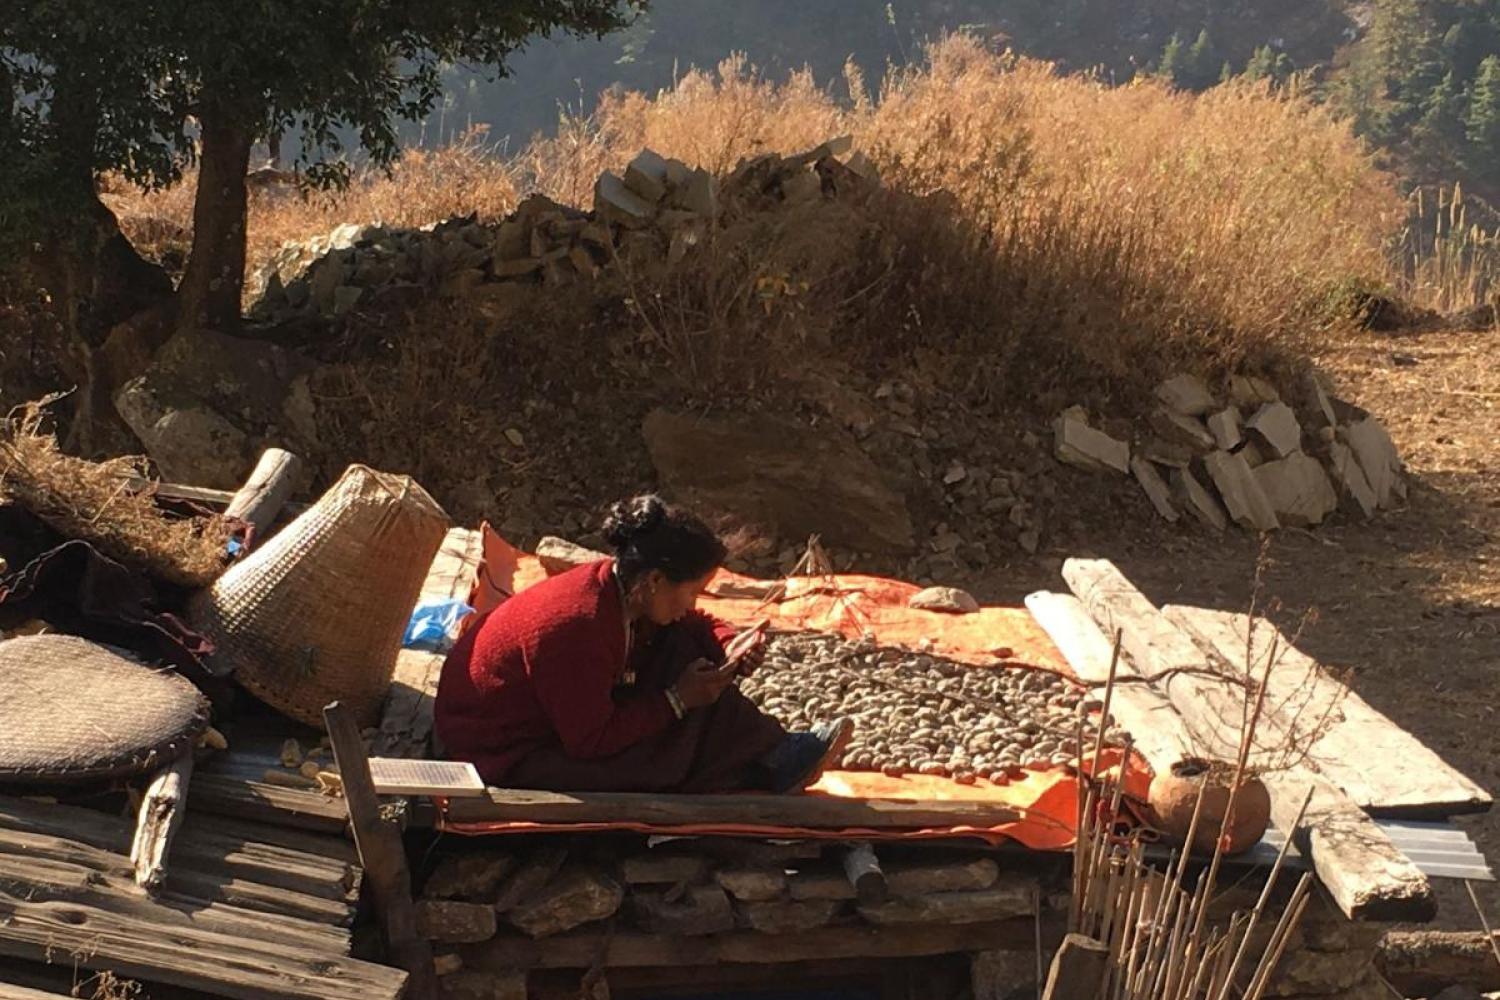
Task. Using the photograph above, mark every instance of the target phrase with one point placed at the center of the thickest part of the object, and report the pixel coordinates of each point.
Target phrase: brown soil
(1409, 603)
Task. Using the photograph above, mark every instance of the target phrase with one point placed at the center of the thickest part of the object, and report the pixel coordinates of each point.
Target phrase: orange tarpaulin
(1045, 797)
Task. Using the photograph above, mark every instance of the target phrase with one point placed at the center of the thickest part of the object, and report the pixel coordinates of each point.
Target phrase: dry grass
(466, 176)
(90, 501)
(1448, 254)
(1037, 229)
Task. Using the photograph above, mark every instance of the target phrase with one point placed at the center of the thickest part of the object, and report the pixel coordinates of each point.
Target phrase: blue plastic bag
(434, 625)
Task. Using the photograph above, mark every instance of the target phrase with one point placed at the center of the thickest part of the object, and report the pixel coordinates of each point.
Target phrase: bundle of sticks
(1147, 928)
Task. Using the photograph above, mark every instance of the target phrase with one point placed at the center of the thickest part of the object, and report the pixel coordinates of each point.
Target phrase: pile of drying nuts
(918, 713)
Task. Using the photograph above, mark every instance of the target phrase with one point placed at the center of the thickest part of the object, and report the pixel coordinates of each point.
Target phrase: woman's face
(666, 602)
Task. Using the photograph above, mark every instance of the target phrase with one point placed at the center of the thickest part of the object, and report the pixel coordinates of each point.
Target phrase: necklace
(628, 674)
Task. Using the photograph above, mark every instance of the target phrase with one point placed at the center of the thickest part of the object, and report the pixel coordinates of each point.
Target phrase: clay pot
(1174, 794)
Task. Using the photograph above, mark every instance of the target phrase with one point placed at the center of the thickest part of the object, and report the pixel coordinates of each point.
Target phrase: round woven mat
(73, 710)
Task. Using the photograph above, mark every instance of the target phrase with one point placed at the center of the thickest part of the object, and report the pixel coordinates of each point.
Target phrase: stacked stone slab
(654, 213)
(1244, 456)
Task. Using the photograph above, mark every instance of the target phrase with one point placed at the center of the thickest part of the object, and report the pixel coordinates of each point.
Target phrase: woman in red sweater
(607, 678)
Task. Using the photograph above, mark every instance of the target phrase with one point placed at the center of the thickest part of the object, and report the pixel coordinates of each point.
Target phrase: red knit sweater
(541, 669)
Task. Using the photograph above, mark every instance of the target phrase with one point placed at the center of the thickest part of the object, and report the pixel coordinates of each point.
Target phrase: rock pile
(487, 910)
(657, 212)
(1245, 456)
(918, 713)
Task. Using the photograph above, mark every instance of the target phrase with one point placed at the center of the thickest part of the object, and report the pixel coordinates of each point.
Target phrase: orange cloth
(1006, 638)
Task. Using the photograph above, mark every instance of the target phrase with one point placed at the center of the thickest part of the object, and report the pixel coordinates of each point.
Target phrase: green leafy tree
(1439, 138)
(1483, 119)
(149, 86)
(1269, 64)
(1173, 64)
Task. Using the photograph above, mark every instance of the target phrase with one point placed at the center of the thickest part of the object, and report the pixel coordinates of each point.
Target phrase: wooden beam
(266, 491)
(383, 856)
(1077, 969)
(862, 869)
(241, 798)
(806, 811)
(1367, 876)
(161, 812)
(86, 936)
(582, 949)
(1141, 710)
(1411, 781)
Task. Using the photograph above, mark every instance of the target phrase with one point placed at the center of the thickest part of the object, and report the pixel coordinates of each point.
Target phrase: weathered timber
(11, 992)
(98, 841)
(382, 855)
(1419, 963)
(1156, 730)
(228, 965)
(406, 721)
(1365, 874)
(1411, 780)
(806, 811)
(161, 812)
(582, 949)
(1008, 898)
(1077, 969)
(39, 879)
(208, 847)
(862, 869)
(256, 800)
(266, 491)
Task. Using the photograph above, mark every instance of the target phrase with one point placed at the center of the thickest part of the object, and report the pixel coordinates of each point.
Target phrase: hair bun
(628, 520)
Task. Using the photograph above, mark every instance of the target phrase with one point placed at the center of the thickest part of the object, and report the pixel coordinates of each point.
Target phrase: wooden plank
(806, 811)
(406, 721)
(205, 848)
(1411, 780)
(184, 880)
(244, 799)
(266, 491)
(1077, 969)
(11, 992)
(630, 949)
(1155, 728)
(1367, 876)
(383, 856)
(85, 936)
(37, 879)
(162, 809)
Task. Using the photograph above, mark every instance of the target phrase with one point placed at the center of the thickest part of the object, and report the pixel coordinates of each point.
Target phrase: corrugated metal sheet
(1440, 850)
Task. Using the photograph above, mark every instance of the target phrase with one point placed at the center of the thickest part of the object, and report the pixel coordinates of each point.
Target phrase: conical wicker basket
(317, 614)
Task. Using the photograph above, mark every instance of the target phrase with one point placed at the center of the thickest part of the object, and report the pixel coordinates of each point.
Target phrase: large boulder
(209, 402)
(782, 476)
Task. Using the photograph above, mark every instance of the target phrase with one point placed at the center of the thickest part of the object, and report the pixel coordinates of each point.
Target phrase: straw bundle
(317, 613)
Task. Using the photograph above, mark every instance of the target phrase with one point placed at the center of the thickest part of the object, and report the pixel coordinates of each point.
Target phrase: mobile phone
(736, 648)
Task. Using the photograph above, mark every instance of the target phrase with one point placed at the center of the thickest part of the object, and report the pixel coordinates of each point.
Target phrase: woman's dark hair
(647, 533)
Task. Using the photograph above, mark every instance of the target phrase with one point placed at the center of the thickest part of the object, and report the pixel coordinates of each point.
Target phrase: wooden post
(1078, 969)
(261, 498)
(383, 857)
(157, 821)
(862, 868)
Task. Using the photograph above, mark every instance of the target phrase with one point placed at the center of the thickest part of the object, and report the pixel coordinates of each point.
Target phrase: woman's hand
(753, 656)
(702, 683)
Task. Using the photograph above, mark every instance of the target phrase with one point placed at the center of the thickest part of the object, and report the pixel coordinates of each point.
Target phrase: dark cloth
(543, 693)
(77, 590)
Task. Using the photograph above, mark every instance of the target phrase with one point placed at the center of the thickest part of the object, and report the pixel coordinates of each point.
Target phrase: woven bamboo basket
(73, 710)
(317, 613)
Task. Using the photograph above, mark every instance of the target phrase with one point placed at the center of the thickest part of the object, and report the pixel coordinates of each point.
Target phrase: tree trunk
(209, 295)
